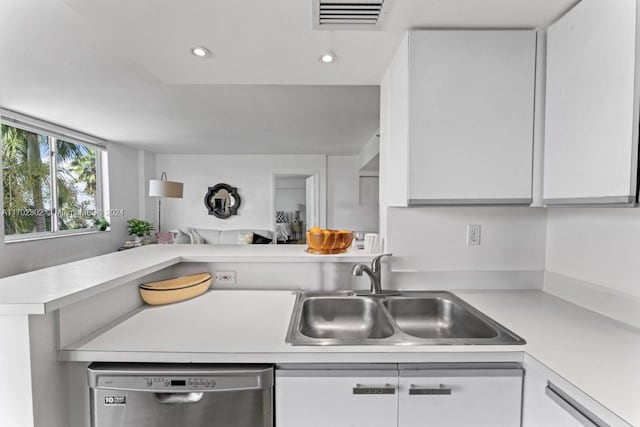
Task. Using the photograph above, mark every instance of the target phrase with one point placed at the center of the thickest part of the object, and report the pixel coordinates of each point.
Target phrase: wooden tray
(175, 290)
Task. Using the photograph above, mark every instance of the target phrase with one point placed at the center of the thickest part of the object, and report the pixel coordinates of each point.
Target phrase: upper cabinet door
(456, 119)
(591, 124)
(471, 103)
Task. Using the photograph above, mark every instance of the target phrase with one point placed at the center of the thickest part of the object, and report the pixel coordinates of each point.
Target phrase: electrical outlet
(473, 234)
(224, 277)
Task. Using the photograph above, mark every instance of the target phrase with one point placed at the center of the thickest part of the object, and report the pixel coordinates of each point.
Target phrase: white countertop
(598, 355)
(45, 290)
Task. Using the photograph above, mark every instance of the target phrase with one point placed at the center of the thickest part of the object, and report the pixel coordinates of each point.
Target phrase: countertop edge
(372, 356)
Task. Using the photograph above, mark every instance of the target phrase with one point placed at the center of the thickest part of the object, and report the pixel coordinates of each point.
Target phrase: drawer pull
(415, 390)
(573, 408)
(363, 389)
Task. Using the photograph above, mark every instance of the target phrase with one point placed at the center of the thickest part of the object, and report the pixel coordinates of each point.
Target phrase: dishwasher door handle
(178, 398)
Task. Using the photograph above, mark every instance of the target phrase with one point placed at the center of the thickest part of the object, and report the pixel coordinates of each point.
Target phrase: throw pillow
(194, 237)
(260, 240)
(245, 238)
(197, 239)
(182, 237)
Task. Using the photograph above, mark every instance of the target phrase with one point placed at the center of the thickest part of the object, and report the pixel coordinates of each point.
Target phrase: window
(76, 178)
(26, 181)
(51, 184)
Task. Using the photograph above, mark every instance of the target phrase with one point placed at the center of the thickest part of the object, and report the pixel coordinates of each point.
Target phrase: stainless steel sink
(344, 318)
(437, 318)
(411, 318)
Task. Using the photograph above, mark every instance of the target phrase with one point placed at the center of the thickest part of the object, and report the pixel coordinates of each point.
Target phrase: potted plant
(101, 224)
(139, 228)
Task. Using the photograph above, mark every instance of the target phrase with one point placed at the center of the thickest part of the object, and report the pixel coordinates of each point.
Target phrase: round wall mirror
(222, 200)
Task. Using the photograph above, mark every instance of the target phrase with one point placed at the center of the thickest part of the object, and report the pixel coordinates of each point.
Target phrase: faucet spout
(357, 270)
(374, 273)
(374, 277)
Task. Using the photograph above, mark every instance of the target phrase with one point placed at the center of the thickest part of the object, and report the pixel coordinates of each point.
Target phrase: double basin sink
(409, 318)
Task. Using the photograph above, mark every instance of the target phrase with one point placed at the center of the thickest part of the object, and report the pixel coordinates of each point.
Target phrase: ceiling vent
(349, 14)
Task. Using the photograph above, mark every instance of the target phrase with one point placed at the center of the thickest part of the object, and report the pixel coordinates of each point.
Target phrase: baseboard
(466, 280)
(608, 302)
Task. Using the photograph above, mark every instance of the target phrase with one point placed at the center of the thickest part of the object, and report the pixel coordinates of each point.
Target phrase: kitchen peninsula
(90, 311)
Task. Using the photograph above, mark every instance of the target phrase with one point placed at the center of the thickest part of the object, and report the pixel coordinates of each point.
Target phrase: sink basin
(410, 318)
(437, 318)
(344, 318)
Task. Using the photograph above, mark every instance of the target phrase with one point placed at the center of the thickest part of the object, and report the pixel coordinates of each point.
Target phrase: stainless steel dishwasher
(159, 395)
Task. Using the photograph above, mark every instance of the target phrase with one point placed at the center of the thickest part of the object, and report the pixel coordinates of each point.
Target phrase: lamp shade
(160, 188)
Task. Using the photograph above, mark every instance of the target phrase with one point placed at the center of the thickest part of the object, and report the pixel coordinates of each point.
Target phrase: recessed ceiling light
(200, 51)
(328, 57)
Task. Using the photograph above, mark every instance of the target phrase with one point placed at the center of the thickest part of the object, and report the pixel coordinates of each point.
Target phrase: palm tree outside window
(31, 162)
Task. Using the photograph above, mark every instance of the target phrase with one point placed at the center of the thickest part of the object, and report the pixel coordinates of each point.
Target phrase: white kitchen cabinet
(460, 397)
(336, 398)
(591, 123)
(457, 118)
(549, 401)
(434, 395)
(539, 410)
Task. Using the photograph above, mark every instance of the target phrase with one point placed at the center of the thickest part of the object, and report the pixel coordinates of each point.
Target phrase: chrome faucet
(373, 272)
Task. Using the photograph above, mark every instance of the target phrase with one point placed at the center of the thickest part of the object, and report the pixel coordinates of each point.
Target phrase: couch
(222, 237)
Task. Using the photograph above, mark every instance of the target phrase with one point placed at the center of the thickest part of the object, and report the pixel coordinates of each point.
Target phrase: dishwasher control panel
(177, 383)
(172, 382)
(158, 383)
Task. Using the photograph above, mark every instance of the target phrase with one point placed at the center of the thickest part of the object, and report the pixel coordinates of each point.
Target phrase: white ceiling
(122, 70)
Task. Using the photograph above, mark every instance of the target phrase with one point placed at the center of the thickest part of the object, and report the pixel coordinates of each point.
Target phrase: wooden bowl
(175, 290)
(325, 242)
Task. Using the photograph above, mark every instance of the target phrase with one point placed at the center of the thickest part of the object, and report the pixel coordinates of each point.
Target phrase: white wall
(18, 257)
(434, 238)
(430, 248)
(251, 174)
(600, 246)
(343, 208)
(291, 195)
(370, 151)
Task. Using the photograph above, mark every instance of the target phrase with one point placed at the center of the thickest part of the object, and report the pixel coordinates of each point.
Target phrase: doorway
(296, 207)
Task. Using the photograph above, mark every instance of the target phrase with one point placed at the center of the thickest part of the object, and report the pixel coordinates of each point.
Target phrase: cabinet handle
(573, 408)
(363, 389)
(415, 390)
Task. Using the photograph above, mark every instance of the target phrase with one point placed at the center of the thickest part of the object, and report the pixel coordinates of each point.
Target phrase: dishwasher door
(159, 395)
